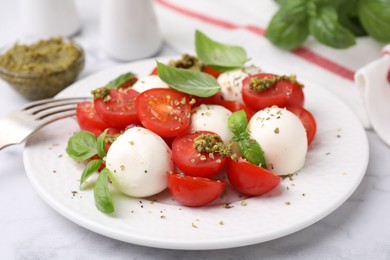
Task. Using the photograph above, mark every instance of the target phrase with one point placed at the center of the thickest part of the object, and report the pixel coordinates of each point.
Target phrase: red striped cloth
(236, 22)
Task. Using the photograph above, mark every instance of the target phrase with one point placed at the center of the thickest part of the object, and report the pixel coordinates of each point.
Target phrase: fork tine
(55, 110)
(42, 107)
(52, 101)
(61, 114)
(20, 123)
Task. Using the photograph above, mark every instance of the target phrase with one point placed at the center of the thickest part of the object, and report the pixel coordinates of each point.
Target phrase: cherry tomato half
(307, 120)
(88, 119)
(154, 71)
(211, 71)
(164, 111)
(283, 93)
(194, 191)
(249, 179)
(215, 99)
(119, 111)
(192, 163)
(236, 106)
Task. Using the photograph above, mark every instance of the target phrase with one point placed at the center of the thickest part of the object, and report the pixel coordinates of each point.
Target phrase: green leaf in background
(375, 17)
(288, 29)
(92, 167)
(324, 26)
(285, 33)
(348, 16)
(188, 81)
(218, 55)
(101, 144)
(82, 146)
(237, 122)
(102, 195)
(115, 83)
(252, 151)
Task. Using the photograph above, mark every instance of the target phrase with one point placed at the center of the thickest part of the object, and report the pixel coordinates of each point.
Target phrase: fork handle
(11, 133)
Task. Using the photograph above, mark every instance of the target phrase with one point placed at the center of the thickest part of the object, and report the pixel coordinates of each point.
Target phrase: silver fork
(21, 122)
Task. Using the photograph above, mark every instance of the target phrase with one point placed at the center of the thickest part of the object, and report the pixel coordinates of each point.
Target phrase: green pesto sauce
(187, 62)
(43, 57)
(262, 84)
(211, 144)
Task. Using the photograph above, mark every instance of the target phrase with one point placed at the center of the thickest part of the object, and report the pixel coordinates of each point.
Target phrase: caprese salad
(189, 121)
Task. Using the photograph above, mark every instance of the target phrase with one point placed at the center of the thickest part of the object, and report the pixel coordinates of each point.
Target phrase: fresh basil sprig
(220, 56)
(102, 195)
(82, 146)
(92, 167)
(334, 23)
(115, 83)
(249, 147)
(188, 81)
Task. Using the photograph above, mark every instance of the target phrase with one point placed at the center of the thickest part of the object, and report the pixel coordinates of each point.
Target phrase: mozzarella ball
(139, 161)
(282, 137)
(213, 118)
(152, 81)
(231, 82)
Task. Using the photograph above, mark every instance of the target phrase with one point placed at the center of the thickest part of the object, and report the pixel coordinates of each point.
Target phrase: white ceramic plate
(336, 163)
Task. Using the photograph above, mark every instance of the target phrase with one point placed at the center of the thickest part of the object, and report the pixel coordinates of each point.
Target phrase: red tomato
(307, 120)
(211, 71)
(236, 106)
(119, 111)
(88, 119)
(283, 93)
(215, 99)
(154, 71)
(164, 111)
(249, 179)
(128, 83)
(192, 163)
(194, 191)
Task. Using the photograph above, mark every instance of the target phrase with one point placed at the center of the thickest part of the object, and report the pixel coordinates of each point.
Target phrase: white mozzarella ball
(282, 137)
(213, 118)
(231, 82)
(139, 161)
(149, 82)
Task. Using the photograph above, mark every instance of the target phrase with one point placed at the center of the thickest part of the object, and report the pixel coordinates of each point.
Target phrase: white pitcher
(49, 18)
(129, 29)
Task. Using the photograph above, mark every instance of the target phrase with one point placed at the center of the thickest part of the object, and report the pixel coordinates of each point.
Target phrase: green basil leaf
(324, 26)
(294, 11)
(285, 33)
(115, 83)
(101, 144)
(82, 146)
(188, 81)
(252, 151)
(348, 17)
(92, 167)
(237, 123)
(103, 199)
(375, 17)
(217, 54)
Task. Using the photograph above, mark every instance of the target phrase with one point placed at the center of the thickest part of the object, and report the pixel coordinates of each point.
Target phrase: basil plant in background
(334, 23)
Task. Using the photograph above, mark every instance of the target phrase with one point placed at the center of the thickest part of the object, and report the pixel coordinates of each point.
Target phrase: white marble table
(30, 229)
